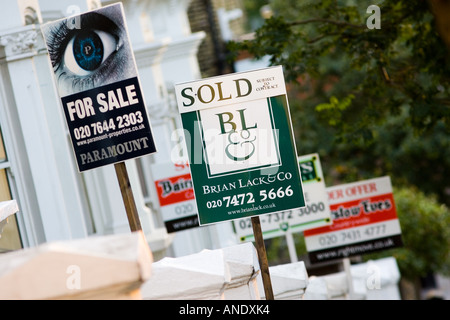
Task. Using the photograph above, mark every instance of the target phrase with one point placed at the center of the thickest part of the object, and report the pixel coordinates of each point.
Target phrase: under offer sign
(240, 145)
(364, 220)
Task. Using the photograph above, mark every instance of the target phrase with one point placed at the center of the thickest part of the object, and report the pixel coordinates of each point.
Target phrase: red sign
(364, 220)
(174, 189)
(357, 213)
(176, 195)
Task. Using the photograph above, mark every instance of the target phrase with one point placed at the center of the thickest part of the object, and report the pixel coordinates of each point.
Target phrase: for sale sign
(364, 220)
(97, 81)
(240, 145)
(316, 212)
(173, 184)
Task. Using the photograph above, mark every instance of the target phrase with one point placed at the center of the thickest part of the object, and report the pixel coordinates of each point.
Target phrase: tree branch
(335, 22)
(318, 38)
(441, 11)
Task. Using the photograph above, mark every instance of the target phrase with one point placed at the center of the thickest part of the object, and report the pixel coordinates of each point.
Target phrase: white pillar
(51, 170)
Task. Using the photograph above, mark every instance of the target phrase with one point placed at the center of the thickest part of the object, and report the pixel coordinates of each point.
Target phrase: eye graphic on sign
(88, 50)
(241, 143)
(96, 78)
(95, 54)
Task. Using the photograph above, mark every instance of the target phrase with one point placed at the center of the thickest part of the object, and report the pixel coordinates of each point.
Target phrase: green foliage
(425, 233)
(403, 63)
(335, 107)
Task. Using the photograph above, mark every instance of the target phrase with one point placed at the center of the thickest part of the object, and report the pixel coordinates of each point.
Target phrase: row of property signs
(337, 222)
(242, 158)
(239, 139)
(174, 187)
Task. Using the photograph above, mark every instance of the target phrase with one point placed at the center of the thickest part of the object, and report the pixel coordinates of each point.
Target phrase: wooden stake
(262, 257)
(127, 195)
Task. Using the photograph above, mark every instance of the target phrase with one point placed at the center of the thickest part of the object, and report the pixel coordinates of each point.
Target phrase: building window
(10, 237)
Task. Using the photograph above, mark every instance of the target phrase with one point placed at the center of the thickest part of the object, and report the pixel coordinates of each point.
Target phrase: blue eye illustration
(86, 51)
(95, 54)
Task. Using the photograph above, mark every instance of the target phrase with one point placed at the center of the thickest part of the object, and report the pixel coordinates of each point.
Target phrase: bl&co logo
(239, 137)
(243, 140)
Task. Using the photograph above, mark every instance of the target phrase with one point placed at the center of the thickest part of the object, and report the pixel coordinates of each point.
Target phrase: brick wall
(203, 17)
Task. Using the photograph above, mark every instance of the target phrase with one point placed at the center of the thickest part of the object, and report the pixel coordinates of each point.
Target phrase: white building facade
(37, 164)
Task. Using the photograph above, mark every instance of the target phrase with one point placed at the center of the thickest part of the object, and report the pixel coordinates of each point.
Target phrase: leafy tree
(371, 101)
(403, 63)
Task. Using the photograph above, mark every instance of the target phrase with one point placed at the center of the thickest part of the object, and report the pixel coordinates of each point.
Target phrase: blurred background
(368, 85)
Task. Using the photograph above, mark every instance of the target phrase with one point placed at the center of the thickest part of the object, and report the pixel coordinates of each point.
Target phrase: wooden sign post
(262, 258)
(127, 196)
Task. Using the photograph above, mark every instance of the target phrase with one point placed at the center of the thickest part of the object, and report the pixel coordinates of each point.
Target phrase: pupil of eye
(88, 50)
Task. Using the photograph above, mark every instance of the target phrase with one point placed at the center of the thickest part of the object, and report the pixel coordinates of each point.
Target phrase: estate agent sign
(97, 81)
(240, 145)
(364, 220)
(173, 185)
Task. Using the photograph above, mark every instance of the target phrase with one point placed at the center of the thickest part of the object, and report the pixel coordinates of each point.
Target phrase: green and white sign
(316, 212)
(240, 145)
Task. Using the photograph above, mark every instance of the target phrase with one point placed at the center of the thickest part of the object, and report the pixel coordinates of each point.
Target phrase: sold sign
(233, 128)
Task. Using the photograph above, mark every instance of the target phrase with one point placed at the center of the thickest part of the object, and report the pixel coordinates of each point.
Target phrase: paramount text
(114, 151)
